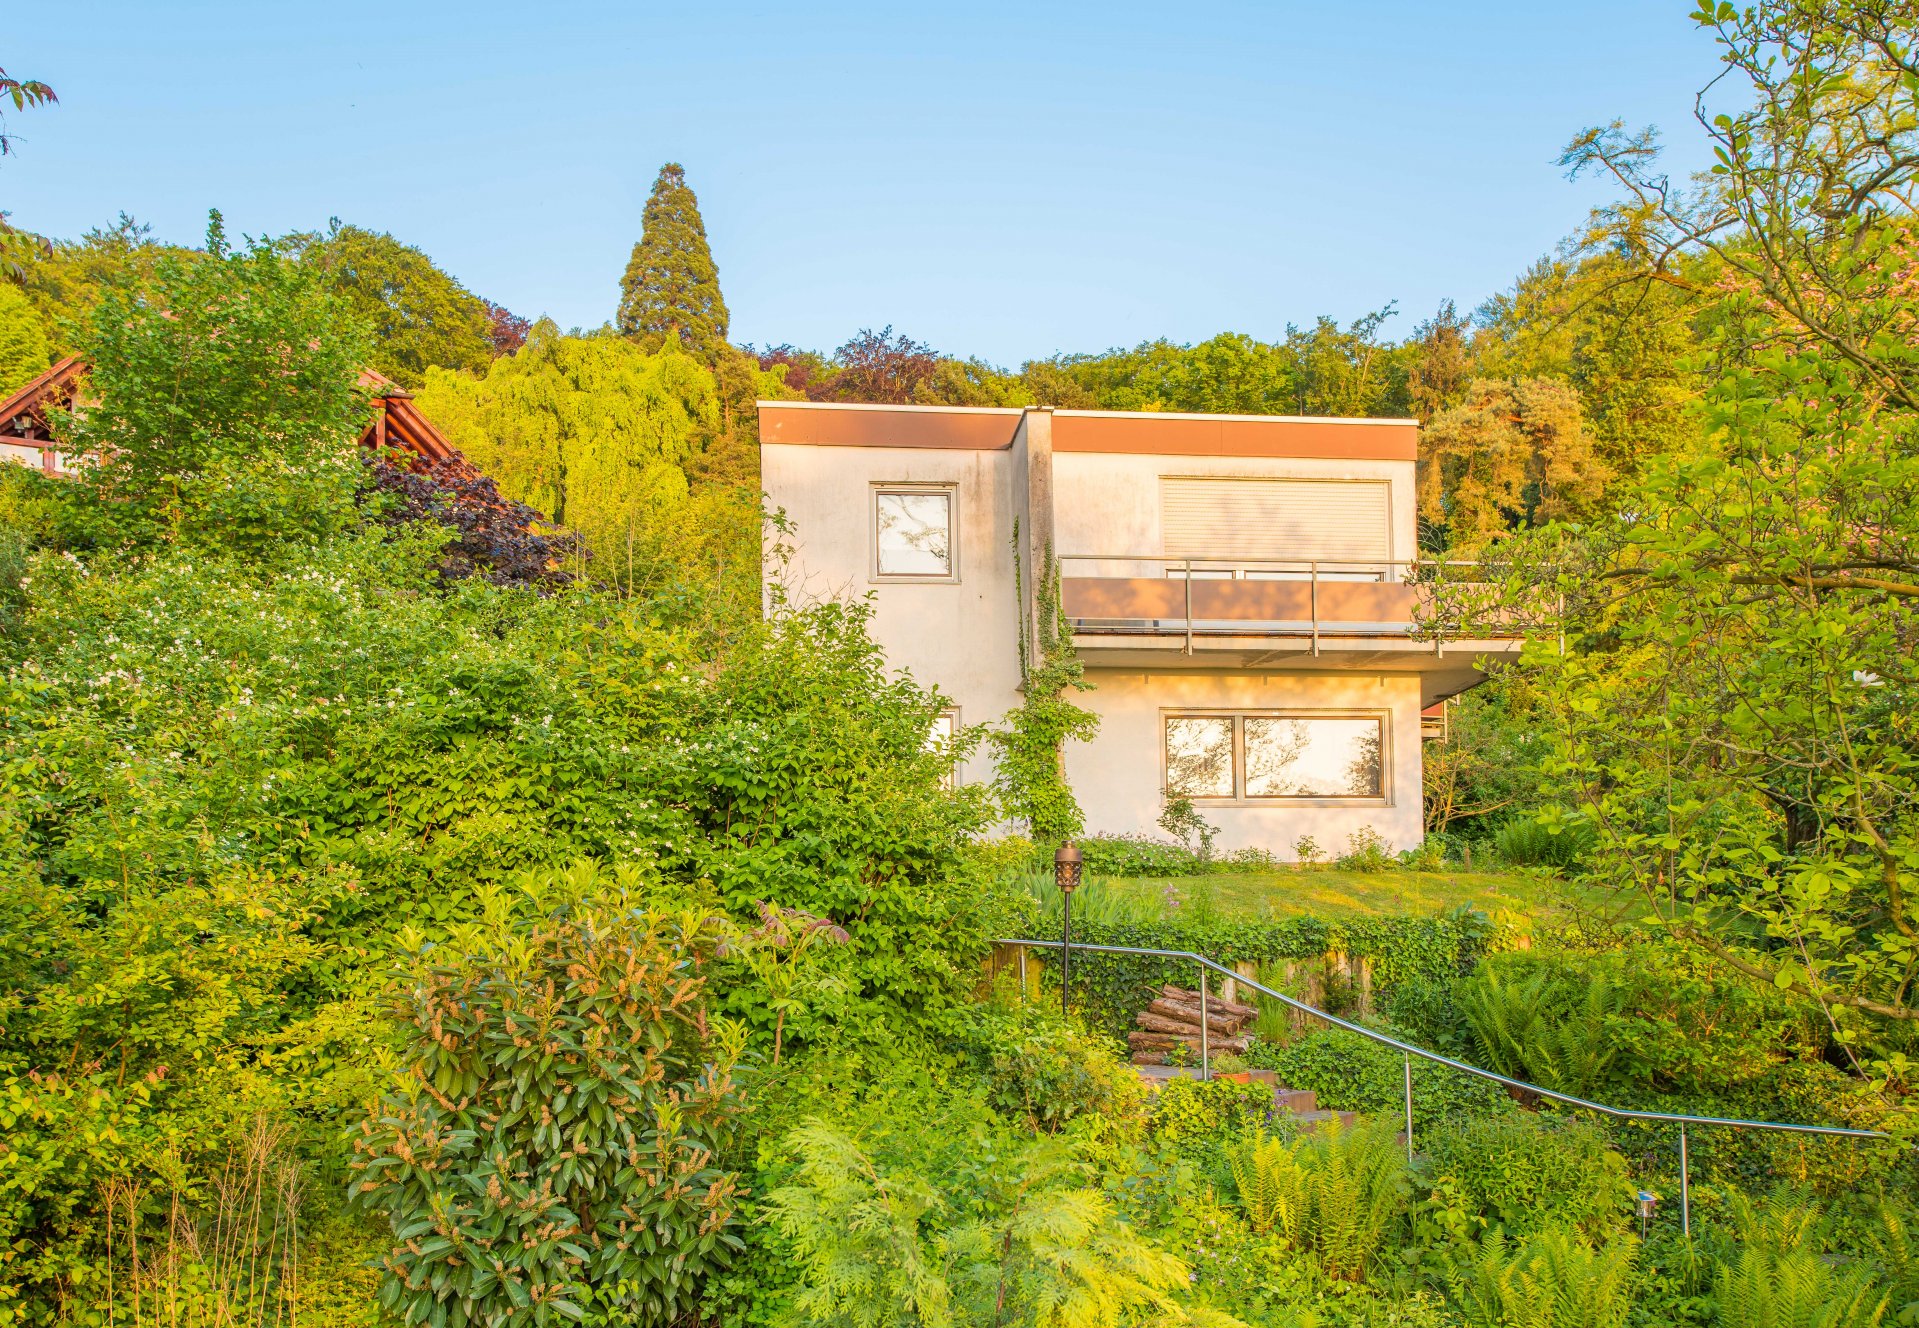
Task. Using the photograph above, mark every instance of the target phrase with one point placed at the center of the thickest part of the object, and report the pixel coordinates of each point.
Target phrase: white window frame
(880, 489)
(951, 714)
(1240, 798)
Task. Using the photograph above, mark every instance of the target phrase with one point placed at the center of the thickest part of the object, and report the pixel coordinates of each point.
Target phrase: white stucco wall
(1118, 777)
(960, 636)
(1108, 502)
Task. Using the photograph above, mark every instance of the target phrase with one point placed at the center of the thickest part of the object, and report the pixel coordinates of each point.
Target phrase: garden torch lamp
(1066, 865)
(1645, 1203)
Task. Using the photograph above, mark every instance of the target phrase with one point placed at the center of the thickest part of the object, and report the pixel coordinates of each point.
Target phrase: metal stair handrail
(1410, 1050)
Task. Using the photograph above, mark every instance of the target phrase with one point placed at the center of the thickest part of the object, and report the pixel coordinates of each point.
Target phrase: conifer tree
(671, 285)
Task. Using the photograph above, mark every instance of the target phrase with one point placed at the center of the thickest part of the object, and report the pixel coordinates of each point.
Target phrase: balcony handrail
(1173, 560)
(1410, 1049)
(1313, 570)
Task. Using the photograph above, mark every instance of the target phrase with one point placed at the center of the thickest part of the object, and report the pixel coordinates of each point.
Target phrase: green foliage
(1111, 989)
(1188, 1108)
(1542, 1024)
(547, 1148)
(883, 1245)
(418, 315)
(225, 409)
(1524, 1172)
(1352, 1073)
(1145, 855)
(598, 434)
(1098, 902)
(1551, 1279)
(1029, 748)
(671, 287)
(1366, 851)
(1512, 453)
(23, 339)
(1771, 1273)
(1044, 1071)
(1749, 608)
(1551, 840)
(1337, 1193)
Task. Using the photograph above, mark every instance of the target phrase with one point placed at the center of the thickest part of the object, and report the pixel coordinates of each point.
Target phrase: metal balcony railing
(1409, 1050)
(1316, 598)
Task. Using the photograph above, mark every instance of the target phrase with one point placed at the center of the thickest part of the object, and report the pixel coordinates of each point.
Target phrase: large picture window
(1260, 756)
(913, 533)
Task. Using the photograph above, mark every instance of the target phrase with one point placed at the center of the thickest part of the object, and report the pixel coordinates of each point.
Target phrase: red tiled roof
(397, 423)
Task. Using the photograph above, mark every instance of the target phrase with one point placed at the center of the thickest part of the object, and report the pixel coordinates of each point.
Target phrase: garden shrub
(1366, 851)
(1540, 1022)
(1190, 1108)
(1352, 1073)
(1558, 843)
(1147, 855)
(1773, 1271)
(1551, 1279)
(549, 1145)
(1041, 1070)
(877, 1245)
(1524, 1172)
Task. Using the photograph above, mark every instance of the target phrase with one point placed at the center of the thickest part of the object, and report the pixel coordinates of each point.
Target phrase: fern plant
(1041, 1250)
(1336, 1193)
(1796, 1289)
(1551, 1280)
(1541, 1027)
(1773, 1273)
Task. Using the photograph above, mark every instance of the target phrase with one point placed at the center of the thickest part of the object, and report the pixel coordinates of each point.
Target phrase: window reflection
(1199, 756)
(915, 534)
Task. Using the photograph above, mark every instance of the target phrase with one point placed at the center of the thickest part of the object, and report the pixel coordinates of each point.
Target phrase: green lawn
(1519, 899)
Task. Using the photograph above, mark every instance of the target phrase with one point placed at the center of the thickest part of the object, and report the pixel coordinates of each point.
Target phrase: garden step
(1295, 1101)
(1308, 1121)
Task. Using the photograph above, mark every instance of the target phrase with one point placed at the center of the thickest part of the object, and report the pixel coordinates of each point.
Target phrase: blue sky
(1002, 180)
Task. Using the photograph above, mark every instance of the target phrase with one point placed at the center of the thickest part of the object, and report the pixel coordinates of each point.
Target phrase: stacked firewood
(1173, 1020)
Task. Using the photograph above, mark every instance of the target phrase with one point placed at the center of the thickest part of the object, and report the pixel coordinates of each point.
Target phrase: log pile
(1173, 1020)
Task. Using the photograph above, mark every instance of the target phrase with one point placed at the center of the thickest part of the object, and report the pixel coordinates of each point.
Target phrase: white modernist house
(1246, 594)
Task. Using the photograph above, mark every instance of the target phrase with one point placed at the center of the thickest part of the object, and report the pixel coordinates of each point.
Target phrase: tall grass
(1098, 901)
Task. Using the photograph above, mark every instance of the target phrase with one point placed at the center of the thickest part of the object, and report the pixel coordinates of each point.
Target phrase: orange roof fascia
(956, 427)
(1153, 433)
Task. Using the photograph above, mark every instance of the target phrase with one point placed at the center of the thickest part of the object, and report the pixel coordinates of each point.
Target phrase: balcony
(1135, 609)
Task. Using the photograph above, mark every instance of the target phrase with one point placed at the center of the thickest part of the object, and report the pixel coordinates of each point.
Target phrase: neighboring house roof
(23, 415)
(1157, 433)
(397, 423)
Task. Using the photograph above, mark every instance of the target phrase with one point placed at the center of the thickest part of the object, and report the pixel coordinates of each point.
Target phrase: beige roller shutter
(1249, 518)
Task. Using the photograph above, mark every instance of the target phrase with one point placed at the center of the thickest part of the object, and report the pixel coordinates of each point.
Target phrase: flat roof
(1165, 433)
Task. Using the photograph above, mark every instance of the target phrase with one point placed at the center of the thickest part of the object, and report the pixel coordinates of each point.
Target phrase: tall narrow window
(940, 738)
(913, 533)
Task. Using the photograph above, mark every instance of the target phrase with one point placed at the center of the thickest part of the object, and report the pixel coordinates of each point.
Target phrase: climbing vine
(1031, 746)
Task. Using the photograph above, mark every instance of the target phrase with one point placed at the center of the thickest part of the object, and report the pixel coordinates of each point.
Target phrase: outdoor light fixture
(1647, 1199)
(1066, 867)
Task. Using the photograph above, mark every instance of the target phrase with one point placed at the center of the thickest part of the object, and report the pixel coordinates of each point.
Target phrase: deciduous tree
(419, 316)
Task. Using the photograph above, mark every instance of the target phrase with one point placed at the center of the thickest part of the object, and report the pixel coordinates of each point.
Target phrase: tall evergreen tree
(671, 284)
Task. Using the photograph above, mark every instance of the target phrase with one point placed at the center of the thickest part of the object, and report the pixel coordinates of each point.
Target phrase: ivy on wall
(1031, 747)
